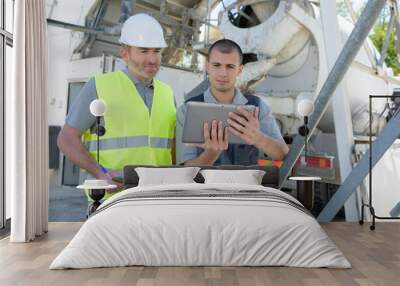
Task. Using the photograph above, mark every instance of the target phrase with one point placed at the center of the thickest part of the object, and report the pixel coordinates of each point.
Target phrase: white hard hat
(142, 30)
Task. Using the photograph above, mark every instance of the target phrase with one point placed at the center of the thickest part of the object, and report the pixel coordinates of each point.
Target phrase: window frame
(6, 39)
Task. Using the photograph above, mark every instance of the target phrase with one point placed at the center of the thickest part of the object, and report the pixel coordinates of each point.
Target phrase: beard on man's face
(145, 71)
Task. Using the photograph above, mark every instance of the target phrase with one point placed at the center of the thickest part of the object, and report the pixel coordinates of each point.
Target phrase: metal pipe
(370, 148)
(116, 44)
(378, 148)
(53, 5)
(207, 27)
(92, 37)
(6, 34)
(126, 10)
(100, 13)
(397, 27)
(342, 64)
(367, 47)
(387, 38)
(78, 28)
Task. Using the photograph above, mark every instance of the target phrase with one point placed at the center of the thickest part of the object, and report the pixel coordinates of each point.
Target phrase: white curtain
(26, 117)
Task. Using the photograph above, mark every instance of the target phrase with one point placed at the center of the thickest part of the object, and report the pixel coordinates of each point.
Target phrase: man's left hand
(245, 125)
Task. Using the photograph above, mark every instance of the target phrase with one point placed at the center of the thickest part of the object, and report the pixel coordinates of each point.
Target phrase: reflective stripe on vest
(133, 134)
(130, 142)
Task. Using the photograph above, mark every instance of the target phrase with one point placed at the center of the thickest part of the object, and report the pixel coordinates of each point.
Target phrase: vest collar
(135, 80)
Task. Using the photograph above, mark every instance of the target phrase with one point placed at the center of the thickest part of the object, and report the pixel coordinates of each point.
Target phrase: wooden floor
(374, 255)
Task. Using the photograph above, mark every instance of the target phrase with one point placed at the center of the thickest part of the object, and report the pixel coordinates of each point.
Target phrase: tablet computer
(197, 113)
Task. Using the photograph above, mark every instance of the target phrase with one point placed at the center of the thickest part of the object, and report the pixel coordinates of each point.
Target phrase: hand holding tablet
(245, 125)
(200, 117)
(215, 138)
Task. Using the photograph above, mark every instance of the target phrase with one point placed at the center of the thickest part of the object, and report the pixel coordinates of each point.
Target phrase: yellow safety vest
(133, 135)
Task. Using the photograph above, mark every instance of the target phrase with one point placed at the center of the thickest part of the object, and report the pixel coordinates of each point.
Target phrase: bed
(201, 224)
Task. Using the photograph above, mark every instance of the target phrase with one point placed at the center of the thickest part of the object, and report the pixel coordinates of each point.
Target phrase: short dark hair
(225, 46)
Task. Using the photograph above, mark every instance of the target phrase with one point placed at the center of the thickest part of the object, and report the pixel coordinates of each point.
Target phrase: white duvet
(183, 231)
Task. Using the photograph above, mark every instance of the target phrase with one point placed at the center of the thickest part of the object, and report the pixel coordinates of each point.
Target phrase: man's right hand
(215, 141)
(107, 176)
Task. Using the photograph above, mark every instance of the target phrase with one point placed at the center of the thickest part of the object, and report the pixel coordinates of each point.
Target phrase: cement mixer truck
(286, 46)
(289, 45)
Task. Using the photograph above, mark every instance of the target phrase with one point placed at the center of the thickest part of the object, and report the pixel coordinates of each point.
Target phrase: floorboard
(374, 255)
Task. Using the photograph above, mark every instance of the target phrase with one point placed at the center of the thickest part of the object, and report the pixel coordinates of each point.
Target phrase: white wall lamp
(98, 108)
(97, 188)
(305, 184)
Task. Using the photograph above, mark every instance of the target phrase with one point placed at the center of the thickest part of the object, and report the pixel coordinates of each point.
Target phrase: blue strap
(197, 98)
(252, 100)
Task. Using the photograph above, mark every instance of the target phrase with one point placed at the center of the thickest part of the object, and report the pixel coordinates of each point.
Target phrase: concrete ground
(67, 204)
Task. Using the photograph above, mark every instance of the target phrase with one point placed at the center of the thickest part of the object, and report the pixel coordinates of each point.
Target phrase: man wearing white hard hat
(140, 117)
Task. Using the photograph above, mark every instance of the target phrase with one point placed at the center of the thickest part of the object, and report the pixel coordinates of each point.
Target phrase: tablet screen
(197, 113)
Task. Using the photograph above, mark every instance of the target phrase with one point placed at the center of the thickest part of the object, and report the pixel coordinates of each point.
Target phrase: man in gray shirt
(141, 115)
(259, 130)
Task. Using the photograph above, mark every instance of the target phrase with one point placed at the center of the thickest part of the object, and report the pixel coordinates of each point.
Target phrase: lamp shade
(305, 107)
(98, 107)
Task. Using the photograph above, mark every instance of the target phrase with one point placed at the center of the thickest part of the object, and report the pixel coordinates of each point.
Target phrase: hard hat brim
(155, 46)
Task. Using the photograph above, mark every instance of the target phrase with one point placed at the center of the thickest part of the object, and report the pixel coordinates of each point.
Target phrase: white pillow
(163, 176)
(248, 177)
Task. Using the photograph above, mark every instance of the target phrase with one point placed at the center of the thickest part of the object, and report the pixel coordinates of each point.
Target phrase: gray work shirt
(268, 126)
(79, 115)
